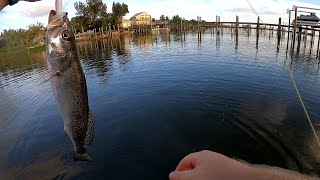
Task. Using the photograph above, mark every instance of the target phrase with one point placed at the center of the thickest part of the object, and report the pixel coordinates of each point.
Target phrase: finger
(182, 175)
(188, 163)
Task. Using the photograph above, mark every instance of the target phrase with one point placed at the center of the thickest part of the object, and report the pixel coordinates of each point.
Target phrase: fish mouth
(55, 20)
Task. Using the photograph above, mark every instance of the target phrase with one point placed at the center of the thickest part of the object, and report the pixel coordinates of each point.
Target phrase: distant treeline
(33, 35)
(176, 20)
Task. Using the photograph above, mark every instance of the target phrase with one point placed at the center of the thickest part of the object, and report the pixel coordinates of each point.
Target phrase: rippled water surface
(158, 98)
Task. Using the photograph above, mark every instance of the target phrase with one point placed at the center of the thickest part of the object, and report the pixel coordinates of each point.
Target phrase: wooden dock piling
(217, 25)
(312, 37)
(306, 32)
(295, 25)
(237, 30)
(257, 30)
(299, 38)
(221, 27)
(279, 34)
(181, 26)
(288, 38)
(269, 32)
(184, 30)
(318, 41)
(279, 29)
(199, 28)
(258, 26)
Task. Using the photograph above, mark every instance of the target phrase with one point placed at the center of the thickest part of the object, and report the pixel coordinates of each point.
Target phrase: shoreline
(13, 50)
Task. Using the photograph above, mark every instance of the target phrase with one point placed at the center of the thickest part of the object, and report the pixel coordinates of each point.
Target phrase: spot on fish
(90, 130)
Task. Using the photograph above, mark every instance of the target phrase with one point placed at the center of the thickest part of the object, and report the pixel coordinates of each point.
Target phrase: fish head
(60, 42)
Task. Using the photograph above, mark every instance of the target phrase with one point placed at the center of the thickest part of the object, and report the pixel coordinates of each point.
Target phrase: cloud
(38, 11)
(274, 13)
(240, 10)
(249, 10)
(43, 8)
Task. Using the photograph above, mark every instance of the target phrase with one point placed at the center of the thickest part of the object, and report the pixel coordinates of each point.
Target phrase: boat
(312, 18)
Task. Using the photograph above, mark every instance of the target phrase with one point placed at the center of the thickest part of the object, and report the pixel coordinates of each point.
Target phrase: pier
(297, 31)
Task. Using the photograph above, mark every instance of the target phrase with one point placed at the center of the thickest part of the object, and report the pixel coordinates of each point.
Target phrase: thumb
(181, 175)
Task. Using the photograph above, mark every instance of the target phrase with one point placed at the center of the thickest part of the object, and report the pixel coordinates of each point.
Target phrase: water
(156, 99)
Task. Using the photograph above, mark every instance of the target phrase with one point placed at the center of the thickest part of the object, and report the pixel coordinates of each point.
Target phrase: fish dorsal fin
(90, 130)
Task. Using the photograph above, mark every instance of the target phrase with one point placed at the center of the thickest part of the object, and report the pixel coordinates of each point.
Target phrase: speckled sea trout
(69, 84)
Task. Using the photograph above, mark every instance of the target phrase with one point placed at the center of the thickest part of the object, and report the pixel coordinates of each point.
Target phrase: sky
(25, 13)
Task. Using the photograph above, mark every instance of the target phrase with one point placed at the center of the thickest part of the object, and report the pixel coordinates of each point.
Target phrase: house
(126, 24)
(141, 18)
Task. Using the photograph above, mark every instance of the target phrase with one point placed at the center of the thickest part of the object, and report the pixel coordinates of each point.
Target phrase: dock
(296, 30)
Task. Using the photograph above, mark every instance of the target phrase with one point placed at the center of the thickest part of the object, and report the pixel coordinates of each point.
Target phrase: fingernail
(172, 175)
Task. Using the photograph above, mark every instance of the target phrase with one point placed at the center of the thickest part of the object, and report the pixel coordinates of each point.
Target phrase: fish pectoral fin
(55, 74)
(90, 130)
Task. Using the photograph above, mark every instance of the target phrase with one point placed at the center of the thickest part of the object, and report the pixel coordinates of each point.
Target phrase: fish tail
(83, 156)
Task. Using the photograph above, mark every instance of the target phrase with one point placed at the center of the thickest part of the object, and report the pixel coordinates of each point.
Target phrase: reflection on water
(99, 57)
(48, 166)
(268, 126)
(164, 95)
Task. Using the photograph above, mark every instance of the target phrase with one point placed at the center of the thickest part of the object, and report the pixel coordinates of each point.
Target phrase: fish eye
(65, 35)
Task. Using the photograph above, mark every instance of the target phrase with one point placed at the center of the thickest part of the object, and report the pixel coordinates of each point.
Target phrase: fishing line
(254, 10)
(302, 104)
(297, 91)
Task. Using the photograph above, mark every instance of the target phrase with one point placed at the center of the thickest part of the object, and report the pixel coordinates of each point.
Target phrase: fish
(68, 84)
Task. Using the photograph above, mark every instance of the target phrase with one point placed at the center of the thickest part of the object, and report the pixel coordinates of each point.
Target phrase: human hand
(207, 165)
(4, 3)
(30, 0)
(12, 2)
